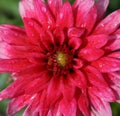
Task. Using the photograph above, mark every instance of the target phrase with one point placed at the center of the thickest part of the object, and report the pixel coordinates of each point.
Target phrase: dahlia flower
(65, 61)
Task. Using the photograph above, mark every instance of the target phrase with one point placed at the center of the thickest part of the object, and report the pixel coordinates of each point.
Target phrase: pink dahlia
(65, 61)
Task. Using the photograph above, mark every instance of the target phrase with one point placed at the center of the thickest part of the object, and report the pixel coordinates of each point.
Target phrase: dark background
(9, 15)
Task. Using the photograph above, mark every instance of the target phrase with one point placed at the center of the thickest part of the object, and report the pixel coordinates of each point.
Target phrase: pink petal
(12, 51)
(101, 6)
(68, 108)
(56, 111)
(114, 79)
(44, 16)
(75, 32)
(34, 70)
(33, 30)
(67, 89)
(117, 91)
(83, 104)
(99, 85)
(46, 38)
(27, 9)
(75, 43)
(16, 89)
(97, 41)
(109, 24)
(65, 16)
(91, 54)
(55, 4)
(17, 104)
(13, 65)
(115, 54)
(113, 43)
(100, 107)
(4, 54)
(13, 35)
(33, 108)
(107, 64)
(59, 36)
(86, 14)
(53, 91)
(37, 85)
(77, 63)
(78, 79)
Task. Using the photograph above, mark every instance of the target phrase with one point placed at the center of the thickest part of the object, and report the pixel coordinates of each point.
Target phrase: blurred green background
(9, 14)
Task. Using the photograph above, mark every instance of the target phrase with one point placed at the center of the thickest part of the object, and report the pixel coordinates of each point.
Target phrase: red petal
(55, 4)
(13, 65)
(27, 9)
(100, 107)
(113, 43)
(101, 6)
(37, 84)
(77, 63)
(109, 24)
(47, 40)
(75, 43)
(65, 16)
(75, 32)
(53, 91)
(4, 54)
(56, 111)
(83, 104)
(33, 109)
(33, 30)
(68, 108)
(86, 14)
(97, 41)
(14, 51)
(17, 88)
(43, 14)
(17, 104)
(115, 55)
(78, 79)
(59, 36)
(67, 89)
(13, 35)
(99, 85)
(34, 70)
(107, 64)
(113, 79)
(91, 54)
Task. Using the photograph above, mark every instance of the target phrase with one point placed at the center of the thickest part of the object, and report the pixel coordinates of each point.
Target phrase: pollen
(62, 59)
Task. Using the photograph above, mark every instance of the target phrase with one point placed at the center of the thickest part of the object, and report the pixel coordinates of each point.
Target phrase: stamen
(62, 59)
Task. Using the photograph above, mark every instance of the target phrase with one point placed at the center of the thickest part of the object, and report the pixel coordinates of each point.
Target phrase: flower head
(65, 61)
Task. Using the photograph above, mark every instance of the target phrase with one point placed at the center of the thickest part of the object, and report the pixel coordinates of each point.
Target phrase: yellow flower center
(61, 59)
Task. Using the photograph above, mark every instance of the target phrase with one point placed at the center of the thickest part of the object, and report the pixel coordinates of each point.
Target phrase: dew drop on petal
(30, 23)
(44, 9)
(5, 32)
(102, 25)
(61, 15)
(32, 35)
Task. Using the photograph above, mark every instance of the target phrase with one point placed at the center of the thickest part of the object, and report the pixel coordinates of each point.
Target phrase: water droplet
(48, 26)
(16, 34)
(5, 32)
(44, 9)
(102, 25)
(33, 97)
(32, 35)
(61, 15)
(30, 23)
(100, 65)
(83, 25)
